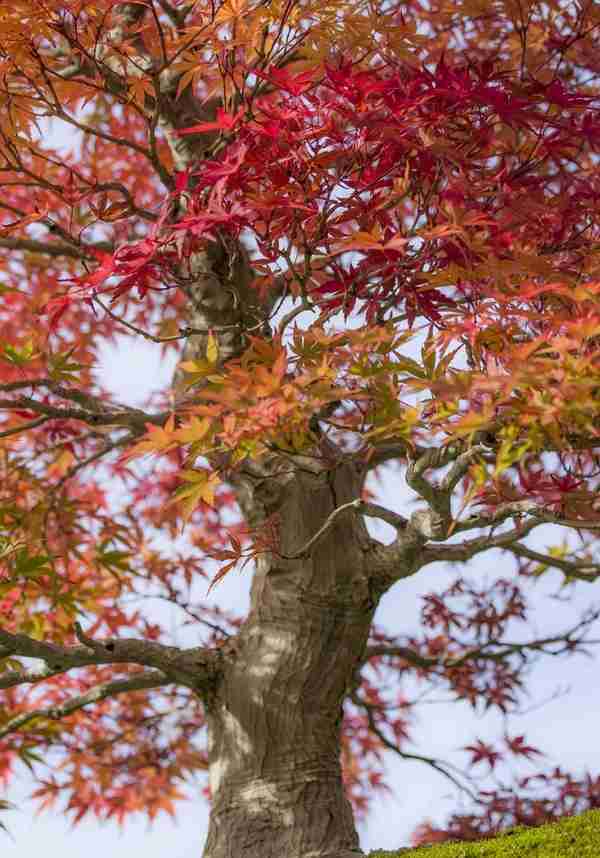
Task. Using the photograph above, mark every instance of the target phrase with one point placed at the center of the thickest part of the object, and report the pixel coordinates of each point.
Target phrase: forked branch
(195, 668)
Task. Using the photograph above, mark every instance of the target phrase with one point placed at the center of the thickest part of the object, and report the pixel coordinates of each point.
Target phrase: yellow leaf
(212, 349)
(230, 11)
(201, 485)
(194, 431)
(189, 366)
(198, 371)
(62, 464)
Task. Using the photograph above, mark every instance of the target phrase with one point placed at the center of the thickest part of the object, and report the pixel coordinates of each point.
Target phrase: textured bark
(274, 718)
(217, 282)
(274, 721)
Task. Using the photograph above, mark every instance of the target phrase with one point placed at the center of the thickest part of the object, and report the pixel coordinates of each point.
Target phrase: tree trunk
(274, 721)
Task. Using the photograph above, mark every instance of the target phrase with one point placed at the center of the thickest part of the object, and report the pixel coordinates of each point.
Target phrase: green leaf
(200, 486)
(19, 357)
(114, 560)
(6, 805)
(428, 356)
(29, 757)
(62, 368)
(407, 364)
(25, 566)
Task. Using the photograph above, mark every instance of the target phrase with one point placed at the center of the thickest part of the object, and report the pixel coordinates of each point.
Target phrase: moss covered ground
(574, 837)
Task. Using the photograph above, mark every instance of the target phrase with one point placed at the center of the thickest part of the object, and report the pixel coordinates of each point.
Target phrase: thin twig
(24, 427)
(439, 767)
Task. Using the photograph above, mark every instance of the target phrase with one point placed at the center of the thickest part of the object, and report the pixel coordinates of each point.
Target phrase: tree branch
(388, 452)
(50, 225)
(466, 550)
(579, 569)
(330, 521)
(359, 506)
(461, 465)
(143, 680)
(49, 248)
(107, 447)
(486, 652)
(24, 427)
(94, 415)
(194, 667)
(440, 767)
(17, 677)
(437, 499)
(515, 509)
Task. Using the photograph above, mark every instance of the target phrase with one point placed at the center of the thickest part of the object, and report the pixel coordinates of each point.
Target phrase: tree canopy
(394, 210)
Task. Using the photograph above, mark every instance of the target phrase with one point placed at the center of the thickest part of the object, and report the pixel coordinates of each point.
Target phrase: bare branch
(415, 545)
(94, 415)
(192, 667)
(100, 411)
(331, 518)
(502, 513)
(466, 550)
(52, 227)
(107, 447)
(388, 452)
(143, 680)
(437, 500)
(184, 332)
(403, 652)
(19, 677)
(461, 465)
(24, 427)
(412, 550)
(373, 510)
(359, 506)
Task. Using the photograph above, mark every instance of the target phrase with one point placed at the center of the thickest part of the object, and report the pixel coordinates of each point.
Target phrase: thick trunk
(274, 719)
(274, 723)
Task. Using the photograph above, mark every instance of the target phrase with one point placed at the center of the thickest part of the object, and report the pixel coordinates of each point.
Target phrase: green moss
(575, 837)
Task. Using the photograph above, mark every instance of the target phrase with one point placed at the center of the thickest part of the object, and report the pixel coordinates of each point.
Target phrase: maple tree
(370, 232)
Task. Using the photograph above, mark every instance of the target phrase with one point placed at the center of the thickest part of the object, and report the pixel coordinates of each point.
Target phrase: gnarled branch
(194, 667)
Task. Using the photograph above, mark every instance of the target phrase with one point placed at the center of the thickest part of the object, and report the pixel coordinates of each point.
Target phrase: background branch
(443, 768)
(55, 249)
(144, 680)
